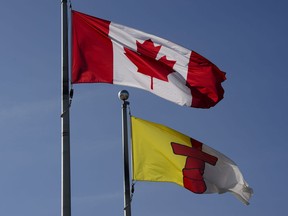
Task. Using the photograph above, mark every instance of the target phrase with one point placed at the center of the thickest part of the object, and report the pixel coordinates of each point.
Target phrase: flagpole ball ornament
(123, 95)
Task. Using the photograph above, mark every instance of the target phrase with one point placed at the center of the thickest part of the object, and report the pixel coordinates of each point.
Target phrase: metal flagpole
(124, 95)
(65, 124)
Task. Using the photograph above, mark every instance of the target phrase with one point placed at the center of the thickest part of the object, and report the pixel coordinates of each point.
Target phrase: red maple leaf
(145, 60)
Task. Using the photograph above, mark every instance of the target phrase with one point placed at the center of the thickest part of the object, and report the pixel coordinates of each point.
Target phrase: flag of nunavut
(162, 154)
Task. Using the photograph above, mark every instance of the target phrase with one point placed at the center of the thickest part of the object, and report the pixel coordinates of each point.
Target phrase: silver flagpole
(65, 122)
(124, 95)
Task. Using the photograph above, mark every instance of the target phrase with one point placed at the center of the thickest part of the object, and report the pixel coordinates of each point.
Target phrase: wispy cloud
(28, 109)
(97, 197)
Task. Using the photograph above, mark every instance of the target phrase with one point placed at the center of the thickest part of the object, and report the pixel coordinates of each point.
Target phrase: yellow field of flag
(162, 154)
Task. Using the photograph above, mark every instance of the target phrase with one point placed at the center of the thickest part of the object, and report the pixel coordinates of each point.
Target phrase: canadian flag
(106, 52)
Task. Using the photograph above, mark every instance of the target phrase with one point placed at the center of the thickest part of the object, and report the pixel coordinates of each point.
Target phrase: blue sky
(246, 39)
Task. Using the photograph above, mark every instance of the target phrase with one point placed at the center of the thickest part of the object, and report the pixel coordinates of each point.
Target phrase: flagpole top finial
(123, 95)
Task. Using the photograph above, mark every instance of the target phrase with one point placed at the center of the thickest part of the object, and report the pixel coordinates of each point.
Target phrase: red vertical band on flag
(92, 54)
(204, 79)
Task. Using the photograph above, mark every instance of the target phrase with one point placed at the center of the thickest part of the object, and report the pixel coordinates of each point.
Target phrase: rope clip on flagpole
(124, 95)
(70, 102)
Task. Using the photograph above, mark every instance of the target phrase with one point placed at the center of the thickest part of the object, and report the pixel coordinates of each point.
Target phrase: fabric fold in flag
(106, 52)
(162, 154)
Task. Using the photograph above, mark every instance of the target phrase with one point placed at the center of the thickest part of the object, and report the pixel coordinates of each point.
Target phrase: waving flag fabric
(106, 52)
(162, 154)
